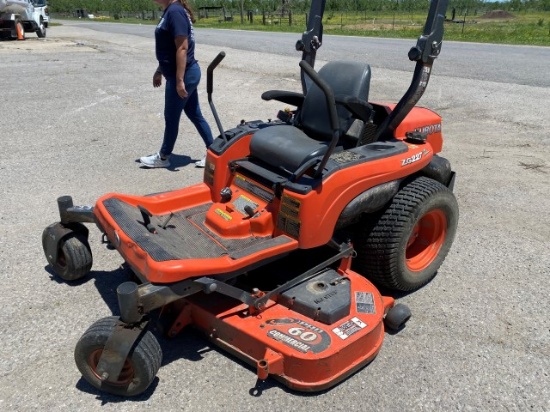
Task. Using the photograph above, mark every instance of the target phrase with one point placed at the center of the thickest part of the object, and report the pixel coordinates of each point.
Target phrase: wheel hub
(126, 374)
(426, 239)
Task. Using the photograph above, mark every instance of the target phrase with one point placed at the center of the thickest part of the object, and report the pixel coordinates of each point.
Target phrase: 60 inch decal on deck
(299, 335)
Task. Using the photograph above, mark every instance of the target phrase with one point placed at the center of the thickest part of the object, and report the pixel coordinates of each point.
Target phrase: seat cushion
(285, 146)
(349, 79)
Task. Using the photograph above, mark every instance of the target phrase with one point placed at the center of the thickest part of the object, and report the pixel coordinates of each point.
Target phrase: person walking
(175, 52)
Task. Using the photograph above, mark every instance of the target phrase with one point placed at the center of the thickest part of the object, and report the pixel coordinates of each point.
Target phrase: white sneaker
(201, 163)
(154, 160)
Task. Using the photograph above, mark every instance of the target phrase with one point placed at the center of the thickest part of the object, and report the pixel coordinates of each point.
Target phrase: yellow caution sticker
(223, 214)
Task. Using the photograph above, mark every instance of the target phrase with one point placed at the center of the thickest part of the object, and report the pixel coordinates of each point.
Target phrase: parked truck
(18, 17)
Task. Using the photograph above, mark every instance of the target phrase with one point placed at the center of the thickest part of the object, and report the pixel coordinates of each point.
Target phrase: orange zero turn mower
(277, 256)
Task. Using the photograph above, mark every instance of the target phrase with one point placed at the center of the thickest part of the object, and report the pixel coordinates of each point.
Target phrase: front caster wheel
(397, 317)
(140, 367)
(72, 259)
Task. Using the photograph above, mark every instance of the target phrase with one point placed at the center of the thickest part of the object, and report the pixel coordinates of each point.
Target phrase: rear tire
(140, 367)
(404, 246)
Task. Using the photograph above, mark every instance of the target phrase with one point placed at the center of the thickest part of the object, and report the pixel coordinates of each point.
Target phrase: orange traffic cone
(20, 31)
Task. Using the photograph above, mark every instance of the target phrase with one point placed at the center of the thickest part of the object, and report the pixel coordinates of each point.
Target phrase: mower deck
(285, 341)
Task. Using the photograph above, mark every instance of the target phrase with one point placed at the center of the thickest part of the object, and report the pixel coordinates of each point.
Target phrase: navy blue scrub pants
(174, 105)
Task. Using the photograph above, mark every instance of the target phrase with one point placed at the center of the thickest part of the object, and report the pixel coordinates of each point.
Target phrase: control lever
(210, 89)
(167, 220)
(249, 211)
(146, 215)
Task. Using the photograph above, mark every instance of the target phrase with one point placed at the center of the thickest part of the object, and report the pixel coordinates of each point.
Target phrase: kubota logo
(431, 129)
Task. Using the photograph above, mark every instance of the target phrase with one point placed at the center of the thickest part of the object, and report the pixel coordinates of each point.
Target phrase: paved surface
(79, 108)
(525, 65)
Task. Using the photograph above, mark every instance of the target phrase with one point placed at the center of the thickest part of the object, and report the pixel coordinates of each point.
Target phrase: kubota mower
(276, 254)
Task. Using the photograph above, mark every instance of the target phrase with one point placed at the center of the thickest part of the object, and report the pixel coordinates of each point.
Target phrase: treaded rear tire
(402, 247)
(139, 370)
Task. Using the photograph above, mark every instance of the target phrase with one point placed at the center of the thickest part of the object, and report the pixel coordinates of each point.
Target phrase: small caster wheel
(73, 259)
(140, 367)
(397, 317)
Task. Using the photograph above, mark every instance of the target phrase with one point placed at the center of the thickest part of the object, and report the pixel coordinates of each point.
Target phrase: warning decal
(223, 214)
(346, 329)
(241, 202)
(364, 302)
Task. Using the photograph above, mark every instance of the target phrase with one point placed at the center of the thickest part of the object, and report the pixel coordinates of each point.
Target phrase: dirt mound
(497, 14)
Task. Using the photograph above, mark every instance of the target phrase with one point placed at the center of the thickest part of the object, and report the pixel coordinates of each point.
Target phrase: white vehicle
(42, 10)
(18, 17)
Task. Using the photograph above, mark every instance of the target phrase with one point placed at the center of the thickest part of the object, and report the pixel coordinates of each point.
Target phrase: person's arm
(181, 63)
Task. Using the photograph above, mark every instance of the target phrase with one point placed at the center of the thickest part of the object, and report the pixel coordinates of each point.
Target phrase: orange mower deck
(302, 353)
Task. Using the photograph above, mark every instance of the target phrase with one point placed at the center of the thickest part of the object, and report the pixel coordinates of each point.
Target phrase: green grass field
(525, 28)
(495, 27)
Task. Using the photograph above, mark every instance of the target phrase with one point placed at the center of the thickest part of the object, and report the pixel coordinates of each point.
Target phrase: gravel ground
(78, 108)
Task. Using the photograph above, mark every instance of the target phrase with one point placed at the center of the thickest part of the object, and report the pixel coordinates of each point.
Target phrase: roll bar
(312, 38)
(424, 53)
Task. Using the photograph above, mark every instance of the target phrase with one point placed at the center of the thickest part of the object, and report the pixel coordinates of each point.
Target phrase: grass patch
(525, 28)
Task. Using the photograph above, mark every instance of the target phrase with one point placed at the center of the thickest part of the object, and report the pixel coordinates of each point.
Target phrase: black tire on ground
(397, 317)
(139, 370)
(41, 32)
(74, 258)
(402, 247)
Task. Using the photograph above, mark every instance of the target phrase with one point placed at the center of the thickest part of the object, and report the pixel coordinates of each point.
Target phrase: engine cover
(325, 298)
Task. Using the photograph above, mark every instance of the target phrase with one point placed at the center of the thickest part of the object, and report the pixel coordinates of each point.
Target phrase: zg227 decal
(414, 158)
(411, 159)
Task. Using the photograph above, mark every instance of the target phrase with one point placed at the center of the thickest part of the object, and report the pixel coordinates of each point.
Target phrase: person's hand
(157, 79)
(180, 88)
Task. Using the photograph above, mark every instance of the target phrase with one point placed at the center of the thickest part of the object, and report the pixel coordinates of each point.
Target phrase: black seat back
(346, 78)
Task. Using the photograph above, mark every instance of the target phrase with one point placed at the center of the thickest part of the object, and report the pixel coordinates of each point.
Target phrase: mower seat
(290, 146)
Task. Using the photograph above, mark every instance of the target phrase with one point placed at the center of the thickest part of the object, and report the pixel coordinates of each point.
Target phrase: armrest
(292, 98)
(360, 108)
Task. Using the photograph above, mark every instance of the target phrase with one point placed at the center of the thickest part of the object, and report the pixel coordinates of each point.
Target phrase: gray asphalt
(78, 108)
(521, 65)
